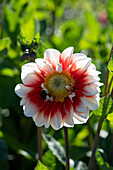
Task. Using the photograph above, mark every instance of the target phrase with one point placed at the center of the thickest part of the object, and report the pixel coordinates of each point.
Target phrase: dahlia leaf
(105, 106)
(55, 147)
(40, 166)
(49, 160)
(79, 165)
(101, 163)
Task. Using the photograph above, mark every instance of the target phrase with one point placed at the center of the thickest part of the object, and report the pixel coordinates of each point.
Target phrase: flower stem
(107, 74)
(39, 131)
(92, 159)
(110, 85)
(67, 147)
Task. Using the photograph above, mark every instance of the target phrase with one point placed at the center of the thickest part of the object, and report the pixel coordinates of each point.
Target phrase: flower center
(59, 85)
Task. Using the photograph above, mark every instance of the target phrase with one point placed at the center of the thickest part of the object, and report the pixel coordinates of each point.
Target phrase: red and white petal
(95, 87)
(52, 56)
(22, 90)
(68, 122)
(81, 117)
(30, 109)
(59, 67)
(23, 101)
(82, 106)
(67, 53)
(56, 120)
(76, 121)
(47, 121)
(91, 71)
(83, 64)
(91, 78)
(68, 117)
(92, 102)
(78, 56)
(44, 65)
(39, 119)
(29, 68)
(88, 91)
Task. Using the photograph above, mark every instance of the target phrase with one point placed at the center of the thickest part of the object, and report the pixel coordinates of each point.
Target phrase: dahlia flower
(60, 89)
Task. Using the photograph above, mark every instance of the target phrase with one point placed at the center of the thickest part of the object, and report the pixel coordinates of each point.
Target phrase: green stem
(107, 74)
(39, 130)
(110, 85)
(92, 159)
(90, 135)
(67, 147)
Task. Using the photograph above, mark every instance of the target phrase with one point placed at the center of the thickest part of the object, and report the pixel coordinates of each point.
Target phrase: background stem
(92, 159)
(67, 147)
(107, 74)
(39, 131)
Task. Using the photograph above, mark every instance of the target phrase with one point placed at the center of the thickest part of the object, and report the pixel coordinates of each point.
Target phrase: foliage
(27, 29)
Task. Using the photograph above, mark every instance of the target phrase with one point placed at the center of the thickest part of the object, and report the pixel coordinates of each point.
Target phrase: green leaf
(101, 163)
(36, 41)
(11, 17)
(110, 117)
(79, 165)
(105, 106)
(49, 160)
(3, 155)
(57, 150)
(94, 28)
(40, 166)
(110, 65)
(110, 10)
(55, 147)
(5, 43)
(28, 27)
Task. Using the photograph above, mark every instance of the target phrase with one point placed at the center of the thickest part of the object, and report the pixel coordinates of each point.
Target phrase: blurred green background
(88, 26)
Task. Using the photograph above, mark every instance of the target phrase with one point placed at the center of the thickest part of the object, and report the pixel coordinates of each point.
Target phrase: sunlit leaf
(55, 147)
(40, 166)
(11, 17)
(28, 27)
(110, 117)
(105, 106)
(5, 43)
(110, 65)
(79, 165)
(39, 15)
(101, 163)
(49, 160)
(94, 28)
(7, 72)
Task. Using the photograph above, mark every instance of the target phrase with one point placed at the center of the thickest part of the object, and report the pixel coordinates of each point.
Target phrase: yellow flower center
(59, 85)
